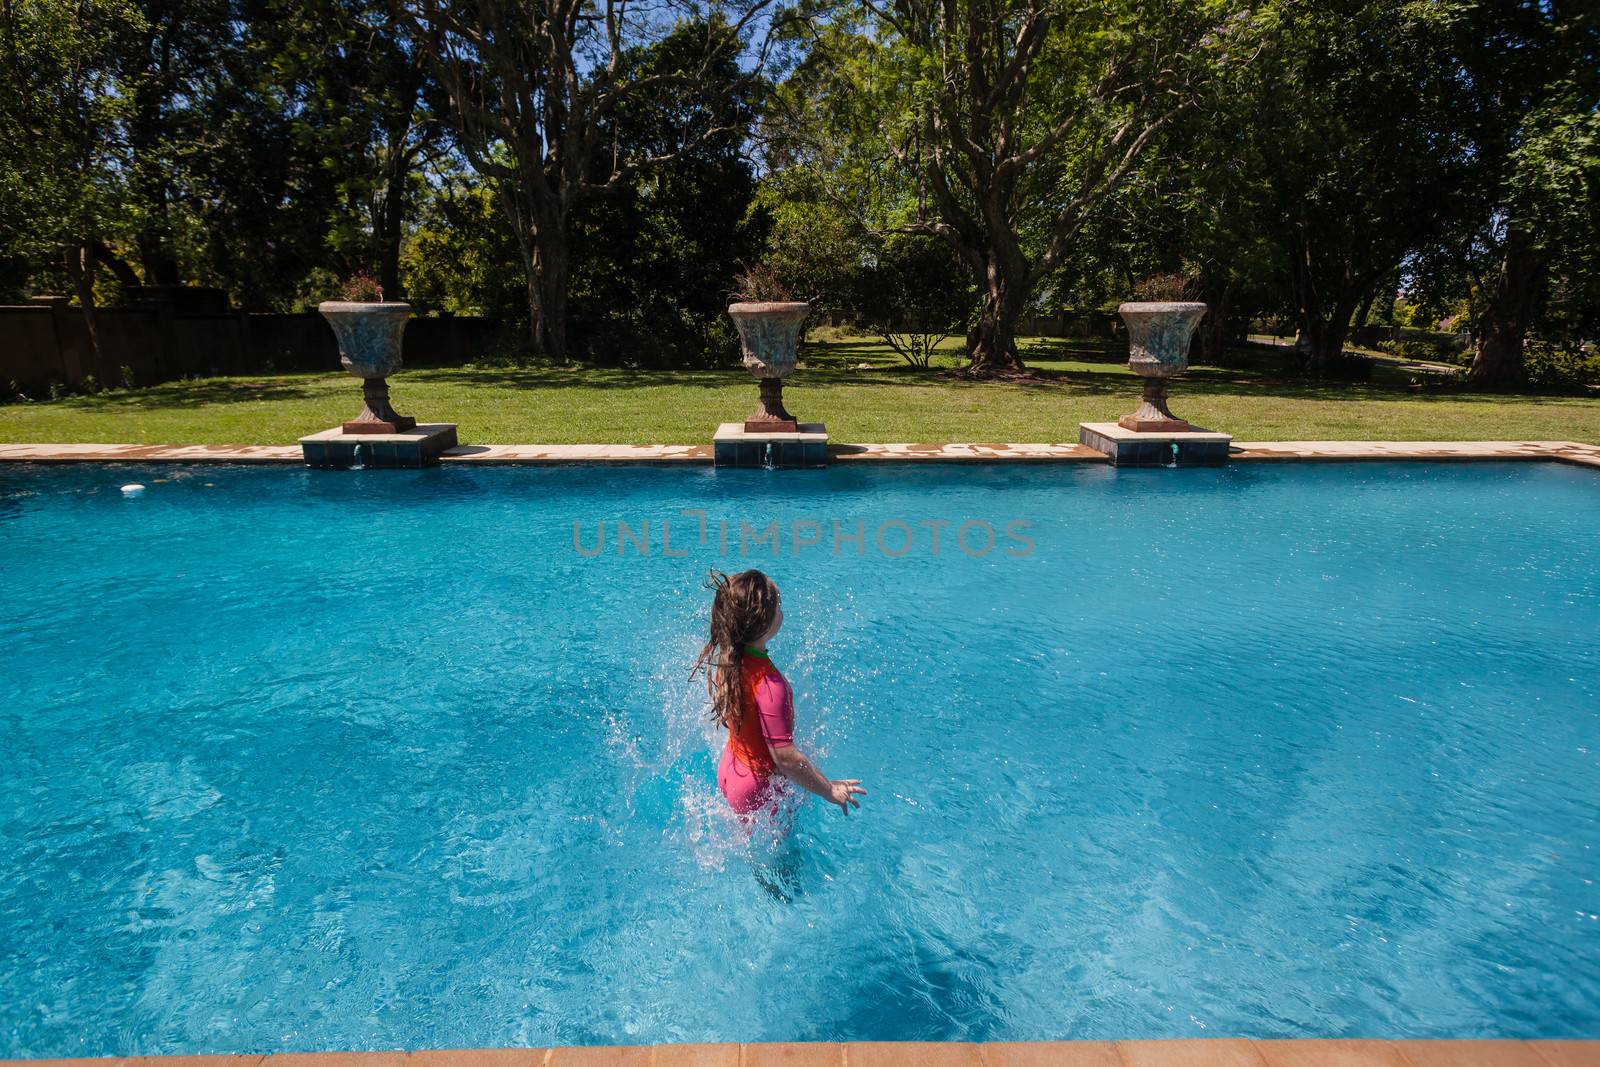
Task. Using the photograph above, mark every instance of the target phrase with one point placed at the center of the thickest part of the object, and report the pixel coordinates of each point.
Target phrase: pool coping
(953, 452)
(1183, 1052)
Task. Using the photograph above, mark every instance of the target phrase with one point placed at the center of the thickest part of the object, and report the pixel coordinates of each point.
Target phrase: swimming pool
(301, 760)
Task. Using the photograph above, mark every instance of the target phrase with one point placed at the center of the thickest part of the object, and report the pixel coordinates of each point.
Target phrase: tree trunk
(149, 171)
(553, 321)
(1327, 337)
(1507, 309)
(1212, 338)
(80, 268)
(154, 241)
(992, 342)
(1322, 318)
(548, 274)
(390, 230)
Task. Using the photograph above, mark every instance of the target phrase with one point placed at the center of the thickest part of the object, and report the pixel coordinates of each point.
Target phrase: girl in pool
(753, 701)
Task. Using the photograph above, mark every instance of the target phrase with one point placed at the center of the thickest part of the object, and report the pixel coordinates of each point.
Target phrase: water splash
(357, 462)
(767, 458)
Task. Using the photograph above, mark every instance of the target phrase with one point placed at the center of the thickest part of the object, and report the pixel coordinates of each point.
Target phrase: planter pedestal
(377, 416)
(1152, 415)
(770, 415)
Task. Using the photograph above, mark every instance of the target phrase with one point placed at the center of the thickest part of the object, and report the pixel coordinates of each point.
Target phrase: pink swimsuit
(747, 774)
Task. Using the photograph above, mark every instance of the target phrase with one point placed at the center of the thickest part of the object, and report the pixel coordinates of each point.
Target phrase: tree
(1192, 208)
(914, 292)
(534, 86)
(317, 117)
(654, 257)
(64, 105)
(1537, 164)
(997, 125)
(814, 247)
(1549, 211)
(461, 255)
(1356, 128)
(370, 99)
(168, 63)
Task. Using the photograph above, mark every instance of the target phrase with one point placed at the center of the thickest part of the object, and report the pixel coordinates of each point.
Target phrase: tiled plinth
(336, 450)
(1130, 448)
(734, 446)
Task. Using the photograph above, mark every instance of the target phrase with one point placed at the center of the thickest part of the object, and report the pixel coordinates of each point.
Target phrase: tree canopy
(598, 174)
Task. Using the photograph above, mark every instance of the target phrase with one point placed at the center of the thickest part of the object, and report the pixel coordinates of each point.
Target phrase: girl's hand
(843, 793)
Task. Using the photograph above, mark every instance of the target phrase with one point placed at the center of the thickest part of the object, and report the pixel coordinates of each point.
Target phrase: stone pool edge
(1194, 1052)
(956, 452)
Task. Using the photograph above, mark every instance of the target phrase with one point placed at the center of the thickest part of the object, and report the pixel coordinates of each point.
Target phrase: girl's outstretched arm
(793, 765)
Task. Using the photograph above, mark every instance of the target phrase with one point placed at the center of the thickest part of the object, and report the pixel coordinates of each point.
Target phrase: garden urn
(769, 338)
(1158, 349)
(369, 336)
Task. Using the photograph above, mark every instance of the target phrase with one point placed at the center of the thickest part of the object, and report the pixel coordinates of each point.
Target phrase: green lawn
(884, 402)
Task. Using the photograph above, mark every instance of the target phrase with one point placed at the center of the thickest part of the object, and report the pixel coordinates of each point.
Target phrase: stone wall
(47, 343)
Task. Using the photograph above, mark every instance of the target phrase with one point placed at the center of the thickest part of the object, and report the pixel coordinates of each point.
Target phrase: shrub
(1165, 288)
(1547, 365)
(760, 283)
(915, 294)
(1432, 348)
(361, 288)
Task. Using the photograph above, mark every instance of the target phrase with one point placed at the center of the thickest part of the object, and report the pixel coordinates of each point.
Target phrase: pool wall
(1202, 1052)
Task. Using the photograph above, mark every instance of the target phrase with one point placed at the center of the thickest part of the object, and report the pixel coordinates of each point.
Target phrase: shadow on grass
(833, 364)
(813, 372)
(206, 392)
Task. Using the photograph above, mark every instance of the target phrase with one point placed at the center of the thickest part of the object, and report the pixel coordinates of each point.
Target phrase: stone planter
(369, 337)
(1158, 349)
(769, 337)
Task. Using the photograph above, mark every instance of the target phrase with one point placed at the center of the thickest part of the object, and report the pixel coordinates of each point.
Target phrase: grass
(884, 401)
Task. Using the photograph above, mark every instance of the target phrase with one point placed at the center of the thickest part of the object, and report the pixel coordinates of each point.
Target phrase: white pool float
(132, 489)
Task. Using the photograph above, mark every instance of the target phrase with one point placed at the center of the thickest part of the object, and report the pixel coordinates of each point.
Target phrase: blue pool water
(299, 760)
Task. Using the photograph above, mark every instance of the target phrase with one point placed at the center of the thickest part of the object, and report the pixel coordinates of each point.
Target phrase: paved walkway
(993, 452)
(1193, 1053)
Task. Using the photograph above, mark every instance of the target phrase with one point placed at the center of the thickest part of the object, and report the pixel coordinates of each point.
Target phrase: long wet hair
(741, 612)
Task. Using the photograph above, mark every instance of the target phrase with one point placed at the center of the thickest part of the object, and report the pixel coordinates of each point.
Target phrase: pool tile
(1469, 1054)
(1196, 1052)
(1568, 1053)
(1330, 1053)
(1049, 1054)
(697, 1056)
(478, 1057)
(600, 1056)
(911, 1054)
(794, 1054)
